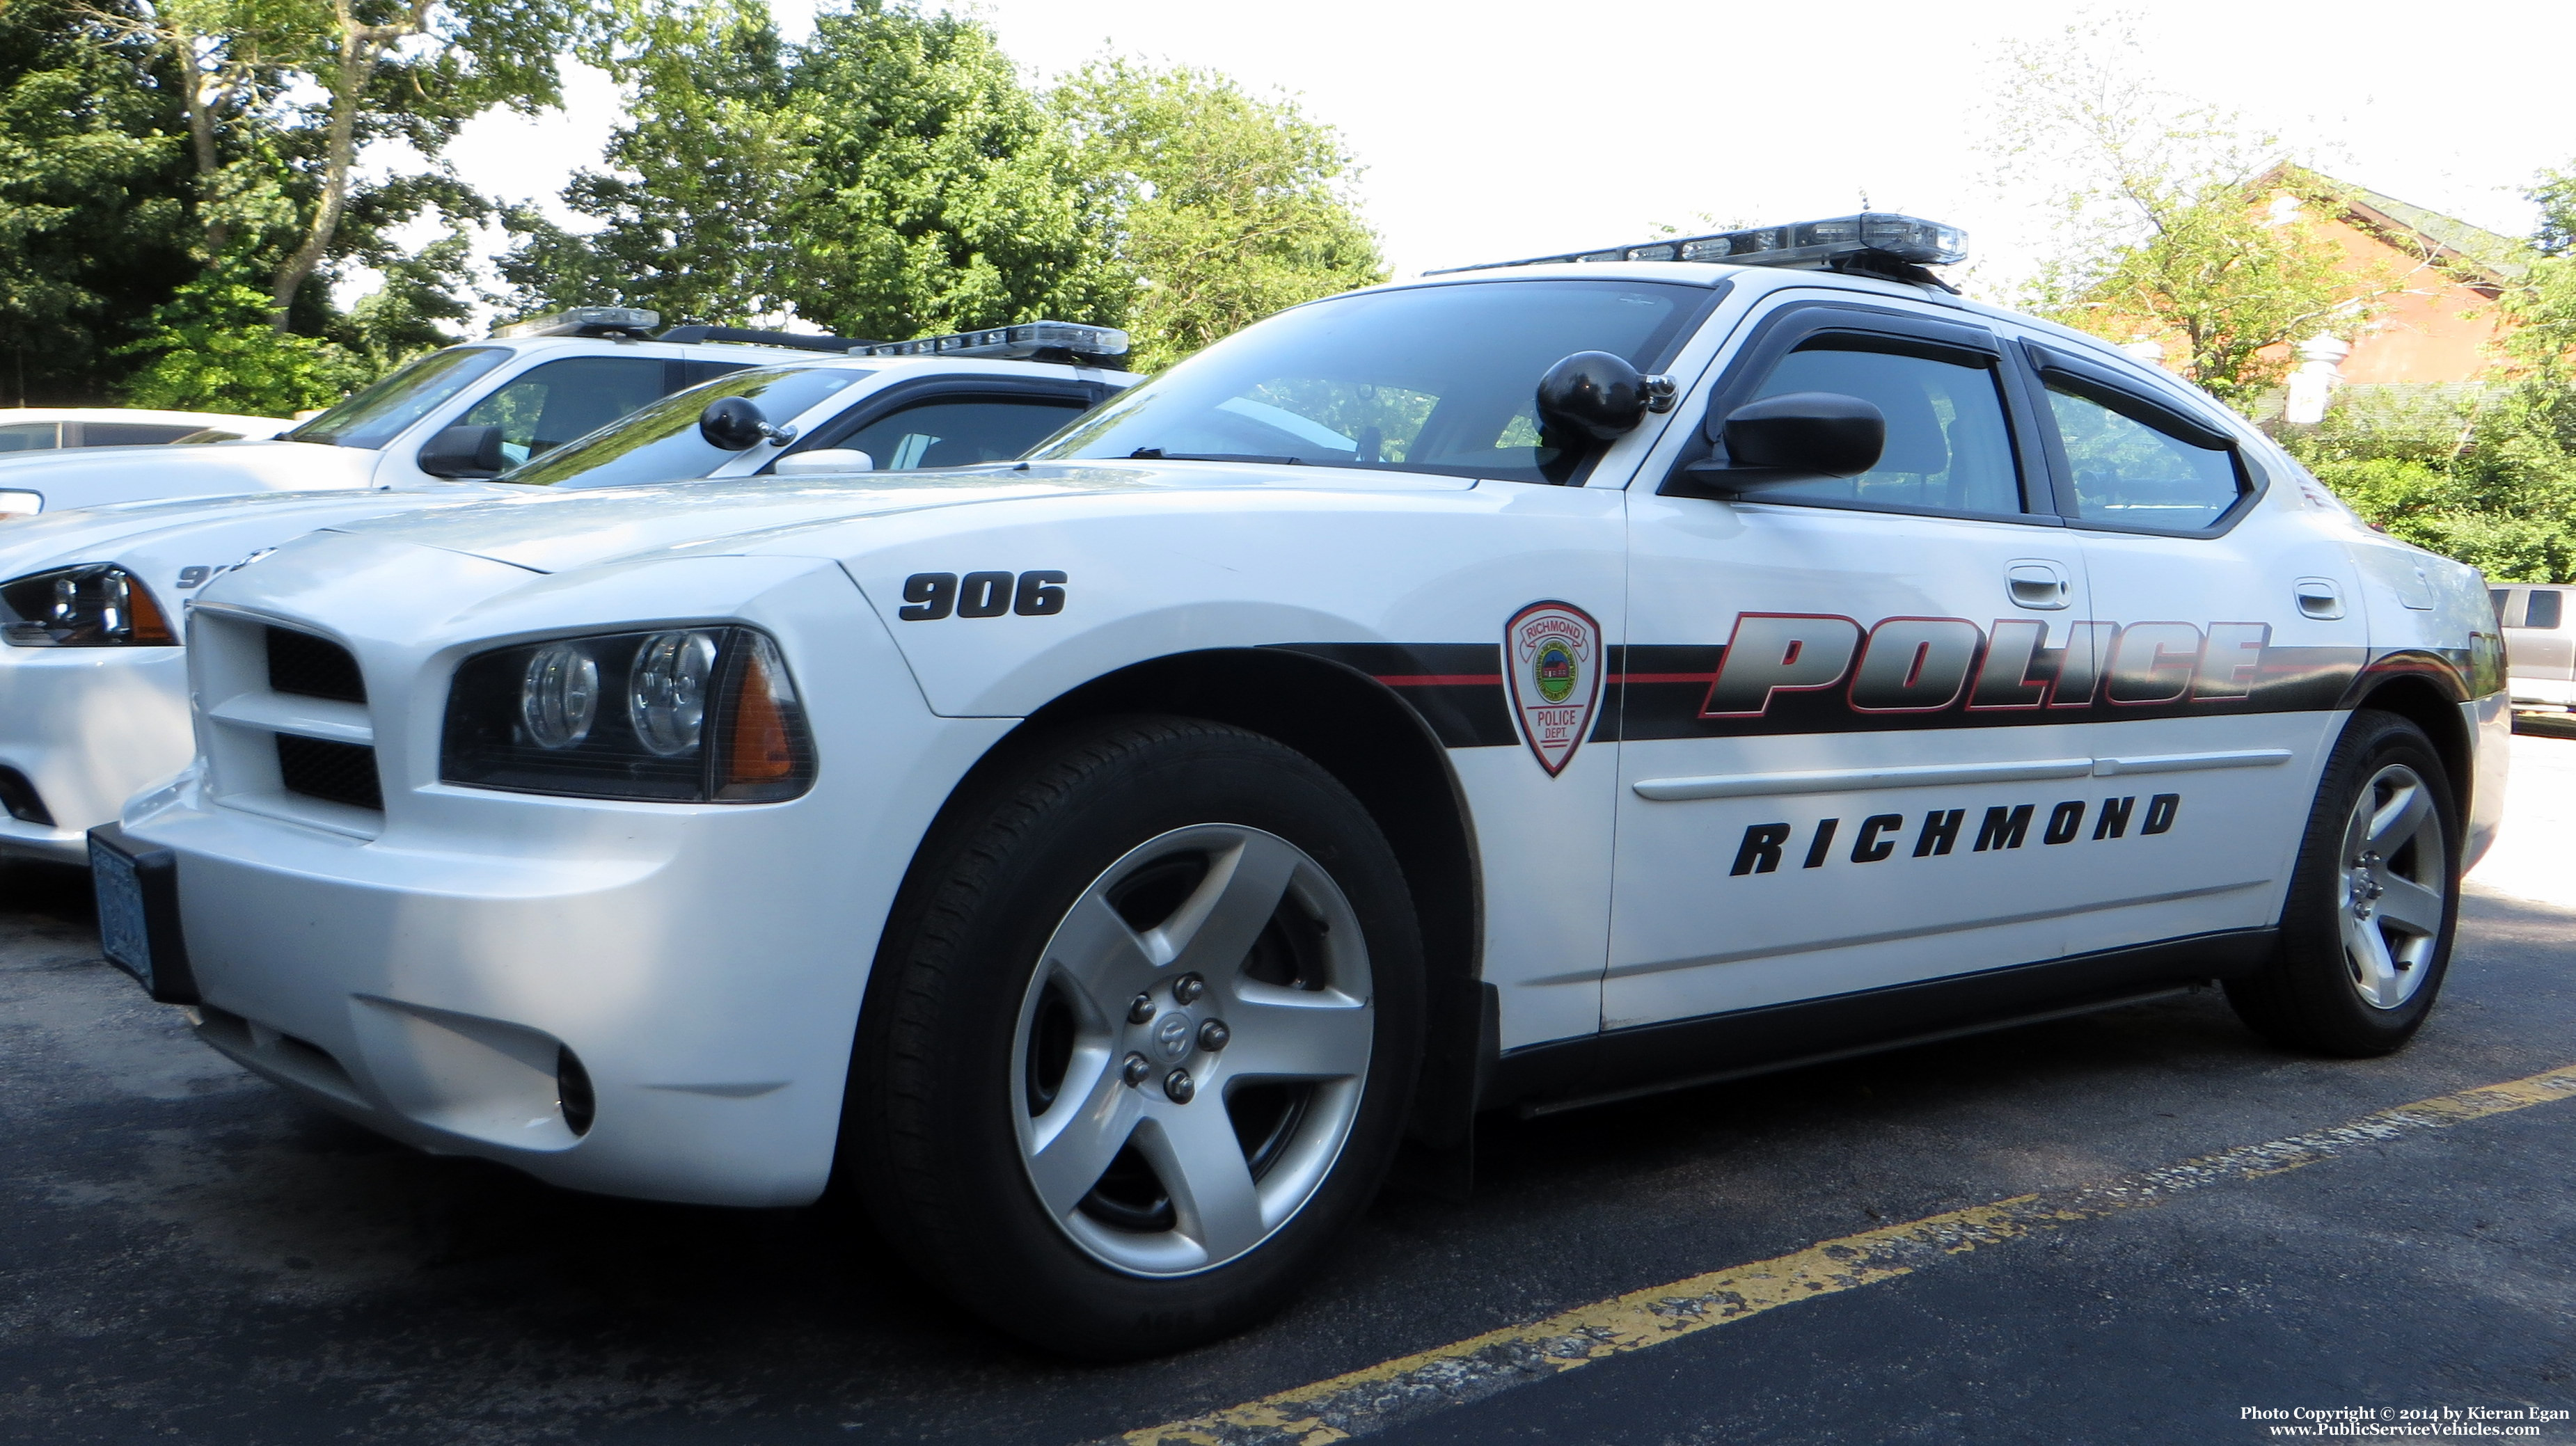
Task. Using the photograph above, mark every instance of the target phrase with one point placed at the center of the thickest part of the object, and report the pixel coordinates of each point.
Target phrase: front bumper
(87, 728)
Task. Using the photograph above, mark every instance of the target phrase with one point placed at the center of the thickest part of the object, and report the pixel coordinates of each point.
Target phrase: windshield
(380, 413)
(659, 442)
(1428, 379)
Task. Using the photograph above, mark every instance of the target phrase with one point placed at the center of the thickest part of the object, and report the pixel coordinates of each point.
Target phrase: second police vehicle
(1518, 688)
(93, 682)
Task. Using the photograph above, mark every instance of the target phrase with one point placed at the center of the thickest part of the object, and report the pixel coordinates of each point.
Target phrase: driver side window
(1949, 448)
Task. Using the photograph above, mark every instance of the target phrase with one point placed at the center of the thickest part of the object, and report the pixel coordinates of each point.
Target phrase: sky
(1504, 128)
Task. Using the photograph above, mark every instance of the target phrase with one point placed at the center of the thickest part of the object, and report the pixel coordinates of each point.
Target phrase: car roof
(128, 414)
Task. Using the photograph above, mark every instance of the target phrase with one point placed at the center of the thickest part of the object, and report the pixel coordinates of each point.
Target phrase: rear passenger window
(549, 405)
(130, 434)
(30, 436)
(1948, 447)
(2129, 472)
(2541, 608)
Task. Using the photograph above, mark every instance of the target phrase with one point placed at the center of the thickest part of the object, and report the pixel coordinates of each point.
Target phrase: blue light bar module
(1872, 236)
(1040, 339)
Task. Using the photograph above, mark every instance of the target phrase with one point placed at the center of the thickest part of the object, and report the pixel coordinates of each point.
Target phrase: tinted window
(2131, 473)
(130, 434)
(378, 414)
(2496, 598)
(1426, 379)
(30, 436)
(659, 442)
(1948, 446)
(547, 406)
(957, 433)
(2543, 608)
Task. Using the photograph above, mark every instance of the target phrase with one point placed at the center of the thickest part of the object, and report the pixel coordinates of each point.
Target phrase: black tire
(2310, 996)
(936, 1125)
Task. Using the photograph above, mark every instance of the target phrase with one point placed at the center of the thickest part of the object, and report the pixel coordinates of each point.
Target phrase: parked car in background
(48, 429)
(93, 681)
(2539, 645)
(464, 412)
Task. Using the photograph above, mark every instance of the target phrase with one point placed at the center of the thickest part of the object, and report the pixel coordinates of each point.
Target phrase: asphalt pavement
(190, 1256)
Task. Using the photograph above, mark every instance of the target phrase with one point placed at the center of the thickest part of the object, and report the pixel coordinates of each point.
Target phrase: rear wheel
(2366, 932)
(1141, 1038)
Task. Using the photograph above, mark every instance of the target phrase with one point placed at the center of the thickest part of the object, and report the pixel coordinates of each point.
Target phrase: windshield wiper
(1157, 454)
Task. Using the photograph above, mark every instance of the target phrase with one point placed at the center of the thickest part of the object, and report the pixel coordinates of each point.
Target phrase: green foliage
(1229, 207)
(212, 349)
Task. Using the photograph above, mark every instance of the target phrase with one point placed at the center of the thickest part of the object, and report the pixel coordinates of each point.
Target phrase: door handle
(2037, 584)
(2318, 597)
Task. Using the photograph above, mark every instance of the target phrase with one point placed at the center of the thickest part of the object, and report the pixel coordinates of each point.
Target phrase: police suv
(1523, 687)
(467, 411)
(93, 682)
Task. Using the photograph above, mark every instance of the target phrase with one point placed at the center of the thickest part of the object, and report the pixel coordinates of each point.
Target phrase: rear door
(2540, 651)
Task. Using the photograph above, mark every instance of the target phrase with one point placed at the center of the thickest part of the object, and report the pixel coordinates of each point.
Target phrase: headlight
(95, 605)
(677, 715)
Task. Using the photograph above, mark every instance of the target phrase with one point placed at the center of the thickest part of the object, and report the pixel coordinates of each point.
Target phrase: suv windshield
(659, 441)
(378, 415)
(1427, 379)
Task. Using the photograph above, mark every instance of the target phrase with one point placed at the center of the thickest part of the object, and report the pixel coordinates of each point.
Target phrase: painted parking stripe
(1469, 1370)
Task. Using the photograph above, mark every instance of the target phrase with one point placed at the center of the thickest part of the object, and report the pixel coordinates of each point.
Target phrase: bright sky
(1504, 128)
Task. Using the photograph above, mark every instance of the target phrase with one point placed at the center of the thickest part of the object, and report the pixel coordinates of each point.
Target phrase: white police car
(468, 411)
(93, 685)
(1518, 688)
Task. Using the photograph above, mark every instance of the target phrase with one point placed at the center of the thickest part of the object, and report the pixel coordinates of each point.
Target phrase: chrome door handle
(2318, 597)
(2036, 584)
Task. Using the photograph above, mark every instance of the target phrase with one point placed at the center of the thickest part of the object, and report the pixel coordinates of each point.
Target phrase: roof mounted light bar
(585, 321)
(1870, 236)
(1020, 341)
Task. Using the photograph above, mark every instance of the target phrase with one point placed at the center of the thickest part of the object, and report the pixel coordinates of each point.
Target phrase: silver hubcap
(2395, 876)
(1192, 1048)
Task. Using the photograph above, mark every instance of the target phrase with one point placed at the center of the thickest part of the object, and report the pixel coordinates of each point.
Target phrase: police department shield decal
(1552, 663)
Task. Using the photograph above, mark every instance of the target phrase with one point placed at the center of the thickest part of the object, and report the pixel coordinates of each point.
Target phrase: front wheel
(2366, 932)
(1141, 1038)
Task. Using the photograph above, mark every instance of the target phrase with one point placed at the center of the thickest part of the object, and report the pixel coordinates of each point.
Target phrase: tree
(211, 349)
(1228, 207)
(2159, 211)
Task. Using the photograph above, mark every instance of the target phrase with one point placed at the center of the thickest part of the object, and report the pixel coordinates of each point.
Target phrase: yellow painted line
(1409, 1386)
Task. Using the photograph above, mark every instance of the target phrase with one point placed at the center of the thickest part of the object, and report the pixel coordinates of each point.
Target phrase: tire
(2374, 898)
(1041, 1117)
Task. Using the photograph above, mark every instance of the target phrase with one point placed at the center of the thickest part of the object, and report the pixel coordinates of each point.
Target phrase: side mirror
(1594, 394)
(735, 424)
(459, 452)
(823, 459)
(1809, 434)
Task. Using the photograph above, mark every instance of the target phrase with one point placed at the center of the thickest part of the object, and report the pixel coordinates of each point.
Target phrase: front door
(1842, 748)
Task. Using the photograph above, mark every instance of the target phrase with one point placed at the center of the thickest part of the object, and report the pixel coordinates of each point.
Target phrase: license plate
(138, 914)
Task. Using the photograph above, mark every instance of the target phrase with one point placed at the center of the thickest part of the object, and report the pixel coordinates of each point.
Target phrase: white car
(469, 411)
(46, 429)
(93, 682)
(1515, 689)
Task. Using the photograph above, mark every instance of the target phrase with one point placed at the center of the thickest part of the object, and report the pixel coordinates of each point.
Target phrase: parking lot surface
(191, 1256)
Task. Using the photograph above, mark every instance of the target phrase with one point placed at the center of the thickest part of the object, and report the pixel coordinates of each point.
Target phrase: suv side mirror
(1597, 395)
(459, 452)
(1800, 434)
(734, 424)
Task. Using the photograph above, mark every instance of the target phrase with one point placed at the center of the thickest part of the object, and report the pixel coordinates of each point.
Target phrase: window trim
(876, 406)
(1901, 333)
(2107, 388)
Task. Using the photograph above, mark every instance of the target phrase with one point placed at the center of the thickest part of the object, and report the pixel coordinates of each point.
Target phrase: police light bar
(1006, 343)
(585, 321)
(1908, 239)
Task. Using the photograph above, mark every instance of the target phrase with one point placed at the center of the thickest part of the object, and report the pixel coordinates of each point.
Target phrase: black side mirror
(463, 452)
(1594, 394)
(1809, 434)
(733, 424)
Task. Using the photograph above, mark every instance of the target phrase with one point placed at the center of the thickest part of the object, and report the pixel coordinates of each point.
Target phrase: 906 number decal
(934, 595)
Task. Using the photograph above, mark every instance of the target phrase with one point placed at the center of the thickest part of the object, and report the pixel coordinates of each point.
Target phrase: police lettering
(1931, 665)
(2002, 827)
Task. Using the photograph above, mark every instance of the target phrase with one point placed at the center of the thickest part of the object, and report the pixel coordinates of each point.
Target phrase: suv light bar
(1010, 343)
(1871, 235)
(586, 321)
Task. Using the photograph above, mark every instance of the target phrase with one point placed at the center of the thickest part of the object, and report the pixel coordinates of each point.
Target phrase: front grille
(335, 772)
(312, 667)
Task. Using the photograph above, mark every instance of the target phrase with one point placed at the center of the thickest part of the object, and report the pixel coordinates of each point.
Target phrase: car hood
(578, 529)
(110, 533)
(90, 477)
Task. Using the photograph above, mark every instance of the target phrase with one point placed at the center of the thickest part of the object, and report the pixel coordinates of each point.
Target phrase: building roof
(2487, 259)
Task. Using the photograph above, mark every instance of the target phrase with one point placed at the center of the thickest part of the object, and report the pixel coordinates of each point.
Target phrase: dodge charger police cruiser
(468, 411)
(93, 684)
(1518, 688)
